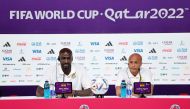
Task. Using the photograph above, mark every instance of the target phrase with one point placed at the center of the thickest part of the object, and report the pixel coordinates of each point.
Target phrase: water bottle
(52, 91)
(129, 89)
(46, 90)
(123, 89)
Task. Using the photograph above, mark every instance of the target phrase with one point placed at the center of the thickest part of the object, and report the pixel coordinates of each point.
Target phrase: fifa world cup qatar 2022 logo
(175, 106)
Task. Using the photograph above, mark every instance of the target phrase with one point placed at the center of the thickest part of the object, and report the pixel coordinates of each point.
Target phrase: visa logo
(94, 43)
(7, 59)
(37, 51)
(138, 50)
(109, 58)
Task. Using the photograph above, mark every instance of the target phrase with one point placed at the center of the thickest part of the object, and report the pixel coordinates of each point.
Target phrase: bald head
(135, 62)
(136, 55)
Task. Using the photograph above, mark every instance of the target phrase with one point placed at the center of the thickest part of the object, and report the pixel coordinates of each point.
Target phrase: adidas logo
(152, 51)
(123, 58)
(7, 44)
(109, 44)
(21, 59)
(51, 52)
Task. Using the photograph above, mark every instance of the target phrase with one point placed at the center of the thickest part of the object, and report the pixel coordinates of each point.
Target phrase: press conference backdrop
(25, 58)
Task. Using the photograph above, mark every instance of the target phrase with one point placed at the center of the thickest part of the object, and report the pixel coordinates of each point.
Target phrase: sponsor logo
(164, 68)
(156, 79)
(29, 80)
(108, 58)
(36, 58)
(167, 57)
(152, 51)
(94, 51)
(9, 64)
(138, 43)
(109, 50)
(182, 43)
(21, 51)
(22, 59)
(16, 69)
(167, 42)
(164, 79)
(175, 74)
(123, 51)
(174, 106)
(118, 68)
(6, 51)
(94, 63)
(163, 74)
(39, 75)
(182, 57)
(36, 43)
(21, 44)
(12, 81)
(152, 68)
(66, 43)
(146, 63)
(152, 43)
(17, 75)
(94, 43)
(109, 44)
(123, 43)
(79, 44)
(84, 106)
(37, 51)
(111, 63)
(173, 79)
(162, 63)
(182, 50)
(7, 44)
(152, 57)
(80, 51)
(28, 75)
(43, 64)
(5, 75)
(186, 74)
(50, 43)
(175, 68)
(51, 52)
(180, 63)
(7, 58)
(167, 50)
(80, 58)
(25, 64)
(39, 68)
(5, 69)
(51, 58)
(138, 50)
(20, 80)
(123, 58)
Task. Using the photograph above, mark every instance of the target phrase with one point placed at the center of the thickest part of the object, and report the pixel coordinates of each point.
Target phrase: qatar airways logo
(167, 50)
(21, 43)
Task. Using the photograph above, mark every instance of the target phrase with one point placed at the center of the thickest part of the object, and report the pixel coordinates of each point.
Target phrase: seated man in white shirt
(134, 73)
(69, 72)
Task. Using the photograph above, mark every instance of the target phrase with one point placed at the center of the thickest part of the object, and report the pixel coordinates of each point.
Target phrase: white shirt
(77, 76)
(125, 74)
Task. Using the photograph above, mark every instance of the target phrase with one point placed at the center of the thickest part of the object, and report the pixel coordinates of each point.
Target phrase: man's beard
(66, 68)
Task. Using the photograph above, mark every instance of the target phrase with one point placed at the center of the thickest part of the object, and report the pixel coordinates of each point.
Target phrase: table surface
(90, 102)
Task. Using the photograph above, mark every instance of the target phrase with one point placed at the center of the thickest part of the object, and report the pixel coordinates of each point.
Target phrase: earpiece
(58, 58)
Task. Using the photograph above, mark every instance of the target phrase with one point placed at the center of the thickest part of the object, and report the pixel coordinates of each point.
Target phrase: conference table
(108, 102)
